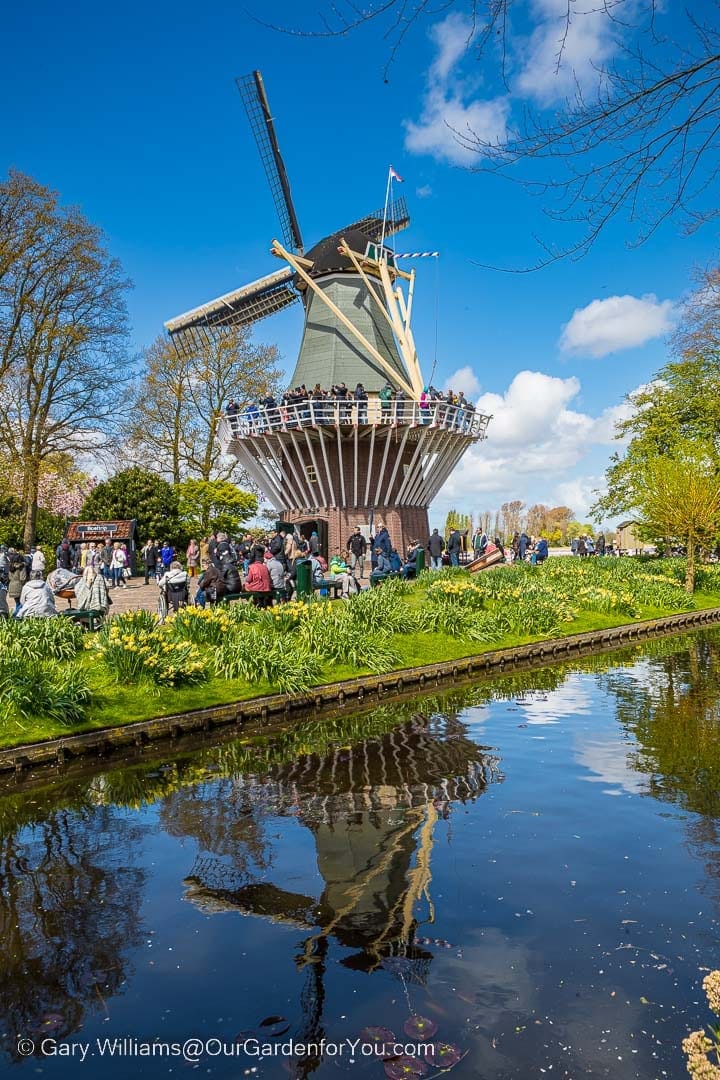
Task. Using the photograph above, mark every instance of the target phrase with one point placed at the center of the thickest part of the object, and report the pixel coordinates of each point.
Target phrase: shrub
(384, 609)
(200, 626)
(40, 639)
(703, 1051)
(333, 632)
(255, 656)
(43, 689)
(137, 654)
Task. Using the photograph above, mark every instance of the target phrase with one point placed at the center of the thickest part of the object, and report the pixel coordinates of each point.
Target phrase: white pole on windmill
(387, 197)
(392, 175)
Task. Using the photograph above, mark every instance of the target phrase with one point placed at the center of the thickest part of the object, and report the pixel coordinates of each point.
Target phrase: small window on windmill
(406, 469)
(311, 474)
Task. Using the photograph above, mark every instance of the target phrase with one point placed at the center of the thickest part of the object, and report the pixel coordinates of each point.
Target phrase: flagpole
(387, 197)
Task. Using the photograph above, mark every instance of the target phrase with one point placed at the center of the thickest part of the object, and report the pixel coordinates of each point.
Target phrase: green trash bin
(419, 561)
(304, 579)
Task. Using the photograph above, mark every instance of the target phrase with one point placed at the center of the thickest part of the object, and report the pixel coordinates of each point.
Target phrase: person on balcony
(385, 396)
(361, 398)
(425, 406)
(399, 399)
(231, 411)
(268, 415)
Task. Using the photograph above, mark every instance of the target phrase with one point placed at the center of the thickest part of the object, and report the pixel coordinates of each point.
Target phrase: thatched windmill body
(332, 465)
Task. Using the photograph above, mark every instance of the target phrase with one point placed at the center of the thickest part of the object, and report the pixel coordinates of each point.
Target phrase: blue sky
(132, 113)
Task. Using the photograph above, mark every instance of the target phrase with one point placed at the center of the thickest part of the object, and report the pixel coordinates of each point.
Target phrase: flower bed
(52, 672)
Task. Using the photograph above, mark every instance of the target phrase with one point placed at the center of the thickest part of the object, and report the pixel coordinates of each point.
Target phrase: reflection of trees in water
(673, 714)
(223, 818)
(369, 787)
(69, 911)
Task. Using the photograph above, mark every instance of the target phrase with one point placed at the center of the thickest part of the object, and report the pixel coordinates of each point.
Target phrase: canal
(523, 874)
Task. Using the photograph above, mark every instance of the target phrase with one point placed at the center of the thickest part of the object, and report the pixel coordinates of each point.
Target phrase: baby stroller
(173, 597)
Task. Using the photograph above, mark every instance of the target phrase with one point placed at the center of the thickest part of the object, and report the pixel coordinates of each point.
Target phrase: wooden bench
(267, 597)
(89, 618)
(374, 582)
(333, 586)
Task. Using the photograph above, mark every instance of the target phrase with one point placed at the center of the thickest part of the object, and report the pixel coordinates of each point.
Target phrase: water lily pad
(446, 1055)
(405, 1068)
(420, 1027)
(378, 1036)
(51, 1021)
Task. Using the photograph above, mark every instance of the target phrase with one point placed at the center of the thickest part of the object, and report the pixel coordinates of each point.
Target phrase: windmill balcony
(328, 414)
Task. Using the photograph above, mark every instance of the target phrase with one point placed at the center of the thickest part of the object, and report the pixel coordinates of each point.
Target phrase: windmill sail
(338, 457)
(371, 225)
(252, 92)
(241, 307)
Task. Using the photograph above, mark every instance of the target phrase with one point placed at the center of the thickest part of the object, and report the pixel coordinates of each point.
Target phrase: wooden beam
(408, 353)
(331, 485)
(307, 263)
(374, 264)
(341, 317)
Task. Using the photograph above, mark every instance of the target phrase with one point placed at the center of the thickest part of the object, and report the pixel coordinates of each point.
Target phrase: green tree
(140, 494)
(207, 506)
(49, 527)
(62, 335)
(455, 520)
(680, 406)
(573, 530)
(680, 498)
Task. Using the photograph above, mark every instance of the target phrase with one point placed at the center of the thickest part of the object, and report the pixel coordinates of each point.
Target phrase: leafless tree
(181, 398)
(512, 516)
(641, 145)
(62, 334)
(698, 329)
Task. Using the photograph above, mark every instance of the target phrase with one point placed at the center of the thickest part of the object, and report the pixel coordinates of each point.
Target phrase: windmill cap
(326, 257)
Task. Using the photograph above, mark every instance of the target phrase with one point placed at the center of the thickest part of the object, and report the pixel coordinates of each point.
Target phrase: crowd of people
(344, 405)
(28, 587)
(264, 568)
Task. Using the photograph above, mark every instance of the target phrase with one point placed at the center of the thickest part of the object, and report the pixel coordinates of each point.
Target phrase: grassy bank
(56, 681)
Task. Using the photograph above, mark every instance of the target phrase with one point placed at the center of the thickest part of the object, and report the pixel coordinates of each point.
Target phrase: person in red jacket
(257, 579)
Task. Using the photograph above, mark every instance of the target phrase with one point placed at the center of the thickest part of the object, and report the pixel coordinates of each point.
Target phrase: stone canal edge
(255, 713)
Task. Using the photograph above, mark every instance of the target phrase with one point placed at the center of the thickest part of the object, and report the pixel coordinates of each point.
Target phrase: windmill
(331, 463)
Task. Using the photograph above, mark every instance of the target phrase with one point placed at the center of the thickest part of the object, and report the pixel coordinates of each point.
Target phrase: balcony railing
(257, 420)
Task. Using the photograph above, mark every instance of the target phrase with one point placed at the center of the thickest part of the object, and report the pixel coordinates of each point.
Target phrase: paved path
(135, 596)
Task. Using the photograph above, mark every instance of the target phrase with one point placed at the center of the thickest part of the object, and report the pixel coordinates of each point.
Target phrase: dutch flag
(395, 176)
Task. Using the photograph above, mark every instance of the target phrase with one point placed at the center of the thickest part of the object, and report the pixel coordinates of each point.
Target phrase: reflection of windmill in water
(372, 810)
(335, 464)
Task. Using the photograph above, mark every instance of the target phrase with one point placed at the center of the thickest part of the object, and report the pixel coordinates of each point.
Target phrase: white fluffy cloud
(537, 448)
(466, 380)
(618, 322)
(451, 121)
(565, 53)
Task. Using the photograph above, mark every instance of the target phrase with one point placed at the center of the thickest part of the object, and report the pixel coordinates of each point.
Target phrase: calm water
(532, 866)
